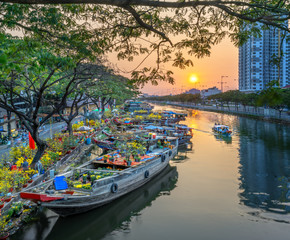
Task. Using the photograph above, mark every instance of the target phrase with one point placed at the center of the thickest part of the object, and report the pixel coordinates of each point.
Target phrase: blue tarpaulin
(151, 127)
(60, 183)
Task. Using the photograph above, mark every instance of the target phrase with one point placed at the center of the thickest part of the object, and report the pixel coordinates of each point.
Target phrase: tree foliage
(33, 76)
(272, 97)
(175, 31)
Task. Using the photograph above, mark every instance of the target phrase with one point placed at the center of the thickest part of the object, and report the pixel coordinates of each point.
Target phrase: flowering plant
(87, 186)
(77, 125)
(46, 161)
(3, 224)
(138, 117)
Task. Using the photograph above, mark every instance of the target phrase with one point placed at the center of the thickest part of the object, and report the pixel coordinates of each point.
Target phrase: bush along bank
(16, 175)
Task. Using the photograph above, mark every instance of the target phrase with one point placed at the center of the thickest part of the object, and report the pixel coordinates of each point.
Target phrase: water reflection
(116, 215)
(265, 165)
(223, 138)
(183, 149)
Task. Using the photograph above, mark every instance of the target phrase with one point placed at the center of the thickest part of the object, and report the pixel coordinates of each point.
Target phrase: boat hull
(102, 192)
(105, 145)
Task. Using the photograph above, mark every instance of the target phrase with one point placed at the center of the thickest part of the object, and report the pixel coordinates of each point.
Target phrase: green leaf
(3, 59)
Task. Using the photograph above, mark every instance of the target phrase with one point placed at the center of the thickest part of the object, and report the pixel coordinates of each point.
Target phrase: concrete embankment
(251, 111)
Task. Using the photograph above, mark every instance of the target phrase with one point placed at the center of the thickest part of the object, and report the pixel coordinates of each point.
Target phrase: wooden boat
(222, 129)
(131, 106)
(118, 181)
(105, 144)
(120, 210)
(183, 132)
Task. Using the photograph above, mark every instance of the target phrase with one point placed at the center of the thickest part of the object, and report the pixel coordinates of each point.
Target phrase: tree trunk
(40, 151)
(69, 127)
(41, 145)
(9, 124)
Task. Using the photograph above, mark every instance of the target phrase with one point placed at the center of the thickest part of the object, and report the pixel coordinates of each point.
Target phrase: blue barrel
(88, 141)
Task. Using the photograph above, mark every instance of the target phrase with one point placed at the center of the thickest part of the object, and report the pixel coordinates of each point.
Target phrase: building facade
(210, 91)
(256, 67)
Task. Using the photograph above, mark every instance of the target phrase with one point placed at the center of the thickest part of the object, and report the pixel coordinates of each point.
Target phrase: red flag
(31, 142)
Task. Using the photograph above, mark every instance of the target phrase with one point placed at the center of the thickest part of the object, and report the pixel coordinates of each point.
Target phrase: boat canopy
(183, 127)
(221, 126)
(169, 112)
(151, 127)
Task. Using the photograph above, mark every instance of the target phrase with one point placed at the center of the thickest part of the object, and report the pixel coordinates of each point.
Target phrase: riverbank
(249, 111)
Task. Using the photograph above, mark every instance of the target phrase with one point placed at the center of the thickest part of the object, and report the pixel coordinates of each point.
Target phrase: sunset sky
(208, 70)
(222, 62)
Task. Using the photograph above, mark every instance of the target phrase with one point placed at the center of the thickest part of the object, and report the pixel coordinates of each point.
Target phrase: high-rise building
(256, 66)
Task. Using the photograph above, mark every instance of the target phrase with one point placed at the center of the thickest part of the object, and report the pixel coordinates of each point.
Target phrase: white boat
(222, 129)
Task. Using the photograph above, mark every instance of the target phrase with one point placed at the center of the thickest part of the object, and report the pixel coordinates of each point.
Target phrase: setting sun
(193, 78)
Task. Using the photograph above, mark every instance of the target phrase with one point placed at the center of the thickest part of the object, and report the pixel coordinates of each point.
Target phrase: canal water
(222, 188)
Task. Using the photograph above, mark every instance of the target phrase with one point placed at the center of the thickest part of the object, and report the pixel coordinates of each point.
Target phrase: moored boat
(119, 179)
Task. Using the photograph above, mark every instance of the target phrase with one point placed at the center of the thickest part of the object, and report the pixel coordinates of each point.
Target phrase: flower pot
(25, 185)
(4, 236)
(68, 152)
(129, 163)
(105, 160)
(7, 199)
(30, 181)
(11, 189)
(1, 205)
(73, 148)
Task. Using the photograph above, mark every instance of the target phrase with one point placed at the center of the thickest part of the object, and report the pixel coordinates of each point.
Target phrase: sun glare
(193, 79)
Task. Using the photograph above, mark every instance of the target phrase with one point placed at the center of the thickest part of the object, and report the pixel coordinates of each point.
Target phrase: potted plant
(93, 178)
(122, 152)
(128, 162)
(77, 175)
(111, 159)
(137, 159)
(3, 223)
(85, 178)
(105, 159)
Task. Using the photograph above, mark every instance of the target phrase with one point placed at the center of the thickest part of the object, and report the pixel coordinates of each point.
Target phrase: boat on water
(101, 180)
(131, 106)
(181, 131)
(222, 129)
(84, 226)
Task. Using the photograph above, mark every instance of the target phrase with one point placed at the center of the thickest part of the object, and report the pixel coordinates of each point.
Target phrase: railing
(246, 110)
